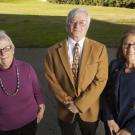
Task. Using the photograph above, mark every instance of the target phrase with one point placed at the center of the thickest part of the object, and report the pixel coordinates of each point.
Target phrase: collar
(72, 42)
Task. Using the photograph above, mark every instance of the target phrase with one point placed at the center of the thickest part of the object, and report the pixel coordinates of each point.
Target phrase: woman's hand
(123, 132)
(40, 113)
(113, 126)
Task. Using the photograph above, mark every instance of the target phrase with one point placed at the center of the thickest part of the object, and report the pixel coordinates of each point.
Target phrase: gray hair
(4, 36)
(75, 12)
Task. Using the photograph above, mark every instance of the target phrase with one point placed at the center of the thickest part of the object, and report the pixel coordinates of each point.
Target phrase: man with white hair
(76, 70)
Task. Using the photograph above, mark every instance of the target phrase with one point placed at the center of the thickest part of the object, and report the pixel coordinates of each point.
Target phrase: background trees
(112, 3)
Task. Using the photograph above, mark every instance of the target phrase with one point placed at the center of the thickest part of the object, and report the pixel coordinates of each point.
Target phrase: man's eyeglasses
(81, 22)
(127, 45)
(5, 49)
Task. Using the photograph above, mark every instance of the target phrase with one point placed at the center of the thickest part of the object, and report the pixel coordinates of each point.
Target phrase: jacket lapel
(63, 52)
(84, 60)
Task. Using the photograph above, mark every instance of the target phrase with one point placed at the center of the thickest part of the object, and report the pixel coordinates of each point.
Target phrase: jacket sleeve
(49, 73)
(105, 107)
(106, 99)
(130, 126)
(95, 88)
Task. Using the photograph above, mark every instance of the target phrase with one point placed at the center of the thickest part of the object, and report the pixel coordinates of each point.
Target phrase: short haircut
(75, 12)
(4, 36)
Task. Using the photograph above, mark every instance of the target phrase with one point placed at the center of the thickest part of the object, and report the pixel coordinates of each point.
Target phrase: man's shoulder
(95, 43)
(57, 45)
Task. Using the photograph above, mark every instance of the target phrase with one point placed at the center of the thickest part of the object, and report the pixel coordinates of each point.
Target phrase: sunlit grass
(32, 23)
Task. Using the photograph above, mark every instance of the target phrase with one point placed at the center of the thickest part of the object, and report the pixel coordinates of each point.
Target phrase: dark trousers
(87, 128)
(29, 129)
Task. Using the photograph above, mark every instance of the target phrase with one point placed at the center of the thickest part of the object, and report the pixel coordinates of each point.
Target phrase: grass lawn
(32, 23)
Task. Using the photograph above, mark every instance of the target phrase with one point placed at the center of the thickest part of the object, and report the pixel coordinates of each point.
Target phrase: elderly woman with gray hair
(21, 103)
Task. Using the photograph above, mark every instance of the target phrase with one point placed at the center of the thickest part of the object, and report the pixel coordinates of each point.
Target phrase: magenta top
(17, 111)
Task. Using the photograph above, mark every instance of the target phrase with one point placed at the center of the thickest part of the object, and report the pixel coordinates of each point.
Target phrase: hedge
(112, 3)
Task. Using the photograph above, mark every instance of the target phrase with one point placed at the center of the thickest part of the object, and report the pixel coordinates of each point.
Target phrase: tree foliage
(112, 3)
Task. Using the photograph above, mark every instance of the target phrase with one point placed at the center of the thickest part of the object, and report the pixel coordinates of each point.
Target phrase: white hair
(4, 36)
(75, 12)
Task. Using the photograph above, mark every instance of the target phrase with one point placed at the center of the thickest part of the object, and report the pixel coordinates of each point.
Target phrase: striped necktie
(75, 64)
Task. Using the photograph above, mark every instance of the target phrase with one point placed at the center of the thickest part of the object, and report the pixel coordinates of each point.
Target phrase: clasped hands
(70, 105)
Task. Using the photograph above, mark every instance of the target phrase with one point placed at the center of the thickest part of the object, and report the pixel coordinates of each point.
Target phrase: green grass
(32, 23)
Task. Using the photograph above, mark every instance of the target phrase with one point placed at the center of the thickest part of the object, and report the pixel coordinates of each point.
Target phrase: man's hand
(71, 106)
(113, 126)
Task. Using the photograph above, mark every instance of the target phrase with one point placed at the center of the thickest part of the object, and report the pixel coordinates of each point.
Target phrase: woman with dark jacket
(119, 95)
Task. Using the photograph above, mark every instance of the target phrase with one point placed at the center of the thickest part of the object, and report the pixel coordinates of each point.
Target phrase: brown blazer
(93, 75)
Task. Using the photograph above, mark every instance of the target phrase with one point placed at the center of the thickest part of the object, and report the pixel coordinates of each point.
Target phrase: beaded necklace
(17, 87)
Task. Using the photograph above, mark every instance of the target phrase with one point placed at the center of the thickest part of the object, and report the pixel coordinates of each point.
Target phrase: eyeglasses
(81, 22)
(127, 45)
(5, 49)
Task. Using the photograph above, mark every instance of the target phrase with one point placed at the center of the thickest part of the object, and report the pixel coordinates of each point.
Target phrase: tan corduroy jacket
(93, 75)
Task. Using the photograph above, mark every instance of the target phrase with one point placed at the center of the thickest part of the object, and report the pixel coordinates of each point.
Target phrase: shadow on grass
(44, 31)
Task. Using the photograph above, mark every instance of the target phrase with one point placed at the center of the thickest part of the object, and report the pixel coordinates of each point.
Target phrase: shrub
(112, 3)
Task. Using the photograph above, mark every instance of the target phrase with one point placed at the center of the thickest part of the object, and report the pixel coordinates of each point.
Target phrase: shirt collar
(72, 42)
